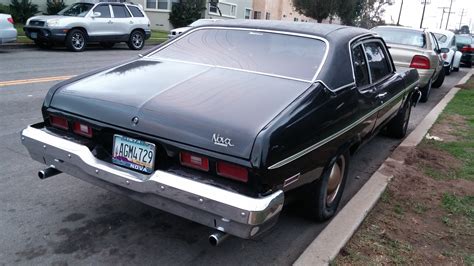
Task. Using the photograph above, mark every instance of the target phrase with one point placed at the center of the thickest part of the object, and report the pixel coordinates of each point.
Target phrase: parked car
(221, 134)
(465, 44)
(8, 32)
(83, 23)
(416, 48)
(197, 23)
(452, 59)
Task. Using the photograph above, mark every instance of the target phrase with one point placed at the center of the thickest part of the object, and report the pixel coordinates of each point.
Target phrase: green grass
(459, 205)
(463, 149)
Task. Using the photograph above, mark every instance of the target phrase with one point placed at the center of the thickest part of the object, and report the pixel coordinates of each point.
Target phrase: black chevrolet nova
(221, 124)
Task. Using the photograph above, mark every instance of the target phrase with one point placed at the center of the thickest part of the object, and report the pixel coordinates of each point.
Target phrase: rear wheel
(107, 45)
(439, 81)
(136, 41)
(76, 40)
(425, 92)
(397, 128)
(326, 192)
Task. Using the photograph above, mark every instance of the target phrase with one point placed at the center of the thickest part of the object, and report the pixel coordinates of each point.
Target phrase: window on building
(226, 9)
(160, 4)
(248, 13)
(257, 15)
(267, 16)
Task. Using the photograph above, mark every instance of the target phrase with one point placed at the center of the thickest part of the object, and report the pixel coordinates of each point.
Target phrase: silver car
(82, 23)
(175, 32)
(7, 30)
(419, 49)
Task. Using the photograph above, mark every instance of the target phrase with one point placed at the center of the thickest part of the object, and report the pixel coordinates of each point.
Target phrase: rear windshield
(271, 53)
(460, 39)
(402, 36)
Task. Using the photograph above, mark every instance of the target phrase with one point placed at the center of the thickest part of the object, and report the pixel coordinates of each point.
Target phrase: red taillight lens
(11, 20)
(445, 56)
(82, 129)
(467, 48)
(59, 122)
(194, 161)
(232, 171)
(420, 62)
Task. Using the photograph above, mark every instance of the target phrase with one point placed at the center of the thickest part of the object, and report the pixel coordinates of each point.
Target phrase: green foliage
(317, 9)
(54, 6)
(186, 12)
(21, 10)
(4, 9)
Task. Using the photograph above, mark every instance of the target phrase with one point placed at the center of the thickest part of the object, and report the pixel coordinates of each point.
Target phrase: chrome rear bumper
(214, 207)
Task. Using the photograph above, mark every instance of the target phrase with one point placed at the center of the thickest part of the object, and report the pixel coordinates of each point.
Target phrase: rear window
(135, 11)
(460, 39)
(402, 36)
(271, 53)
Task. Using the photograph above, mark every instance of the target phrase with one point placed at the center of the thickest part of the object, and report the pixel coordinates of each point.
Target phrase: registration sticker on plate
(134, 153)
(34, 35)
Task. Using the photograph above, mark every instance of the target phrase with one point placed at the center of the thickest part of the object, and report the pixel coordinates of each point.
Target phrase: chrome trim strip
(339, 133)
(323, 61)
(350, 51)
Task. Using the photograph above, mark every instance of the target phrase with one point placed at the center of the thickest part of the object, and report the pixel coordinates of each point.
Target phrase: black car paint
(300, 118)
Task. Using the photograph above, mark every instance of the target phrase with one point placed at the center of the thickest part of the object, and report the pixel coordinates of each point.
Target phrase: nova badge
(221, 141)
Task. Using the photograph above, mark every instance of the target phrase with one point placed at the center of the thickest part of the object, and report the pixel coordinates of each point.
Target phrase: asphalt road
(63, 220)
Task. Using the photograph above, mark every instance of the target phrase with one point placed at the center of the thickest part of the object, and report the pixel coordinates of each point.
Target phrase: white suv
(82, 23)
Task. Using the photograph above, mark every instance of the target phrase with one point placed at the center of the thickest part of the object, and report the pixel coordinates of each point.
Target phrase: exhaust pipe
(48, 172)
(217, 238)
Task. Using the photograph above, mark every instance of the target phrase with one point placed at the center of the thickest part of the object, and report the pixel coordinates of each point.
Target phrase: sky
(413, 9)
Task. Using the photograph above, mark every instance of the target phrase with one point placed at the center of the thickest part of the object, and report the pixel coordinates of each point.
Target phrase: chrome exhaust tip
(217, 238)
(48, 172)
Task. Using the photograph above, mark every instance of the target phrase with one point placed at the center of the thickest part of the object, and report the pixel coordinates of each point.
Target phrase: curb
(326, 246)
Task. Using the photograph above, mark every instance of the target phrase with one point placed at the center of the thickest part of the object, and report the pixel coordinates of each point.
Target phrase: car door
(386, 85)
(436, 57)
(122, 21)
(101, 26)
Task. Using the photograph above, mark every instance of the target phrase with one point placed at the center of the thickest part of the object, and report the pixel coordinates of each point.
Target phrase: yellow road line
(34, 80)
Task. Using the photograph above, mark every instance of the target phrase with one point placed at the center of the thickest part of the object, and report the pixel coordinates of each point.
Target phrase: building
(277, 10)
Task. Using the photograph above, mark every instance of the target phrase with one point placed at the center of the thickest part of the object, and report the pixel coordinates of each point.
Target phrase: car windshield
(442, 39)
(76, 10)
(258, 51)
(402, 36)
(463, 39)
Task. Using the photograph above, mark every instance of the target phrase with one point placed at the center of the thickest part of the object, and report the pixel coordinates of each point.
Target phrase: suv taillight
(11, 20)
(420, 62)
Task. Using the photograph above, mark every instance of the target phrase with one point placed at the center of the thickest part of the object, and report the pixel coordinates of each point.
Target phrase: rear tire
(397, 128)
(107, 45)
(425, 92)
(76, 40)
(325, 193)
(439, 81)
(136, 41)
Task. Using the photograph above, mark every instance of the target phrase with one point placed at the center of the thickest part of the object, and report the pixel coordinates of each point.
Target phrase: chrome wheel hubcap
(335, 180)
(77, 40)
(137, 40)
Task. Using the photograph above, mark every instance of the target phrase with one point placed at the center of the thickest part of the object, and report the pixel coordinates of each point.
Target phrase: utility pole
(423, 15)
(442, 16)
(462, 15)
(449, 13)
(399, 14)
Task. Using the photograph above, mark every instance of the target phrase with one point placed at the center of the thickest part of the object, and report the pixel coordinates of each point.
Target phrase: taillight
(59, 122)
(82, 129)
(11, 20)
(445, 56)
(232, 171)
(467, 48)
(420, 62)
(194, 161)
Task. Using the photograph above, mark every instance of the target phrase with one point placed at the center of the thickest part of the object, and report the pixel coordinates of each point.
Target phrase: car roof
(445, 32)
(316, 29)
(400, 27)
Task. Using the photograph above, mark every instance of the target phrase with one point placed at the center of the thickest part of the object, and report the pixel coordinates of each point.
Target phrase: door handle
(381, 95)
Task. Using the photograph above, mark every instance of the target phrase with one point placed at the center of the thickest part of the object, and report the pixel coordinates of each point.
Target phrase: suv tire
(76, 40)
(136, 41)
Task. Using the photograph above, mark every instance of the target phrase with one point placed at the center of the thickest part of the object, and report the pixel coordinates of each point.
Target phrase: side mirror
(444, 50)
(96, 14)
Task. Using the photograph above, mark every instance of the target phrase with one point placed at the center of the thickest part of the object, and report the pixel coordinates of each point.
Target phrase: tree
(371, 13)
(317, 9)
(186, 12)
(348, 11)
(54, 6)
(21, 10)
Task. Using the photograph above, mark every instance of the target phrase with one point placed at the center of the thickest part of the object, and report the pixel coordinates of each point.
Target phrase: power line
(462, 15)
(449, 13)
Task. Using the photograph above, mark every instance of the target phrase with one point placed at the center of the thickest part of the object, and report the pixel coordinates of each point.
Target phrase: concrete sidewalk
(326, 246)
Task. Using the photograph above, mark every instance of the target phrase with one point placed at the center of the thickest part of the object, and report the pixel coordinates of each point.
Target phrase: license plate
(34, 35)
(133, 153)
